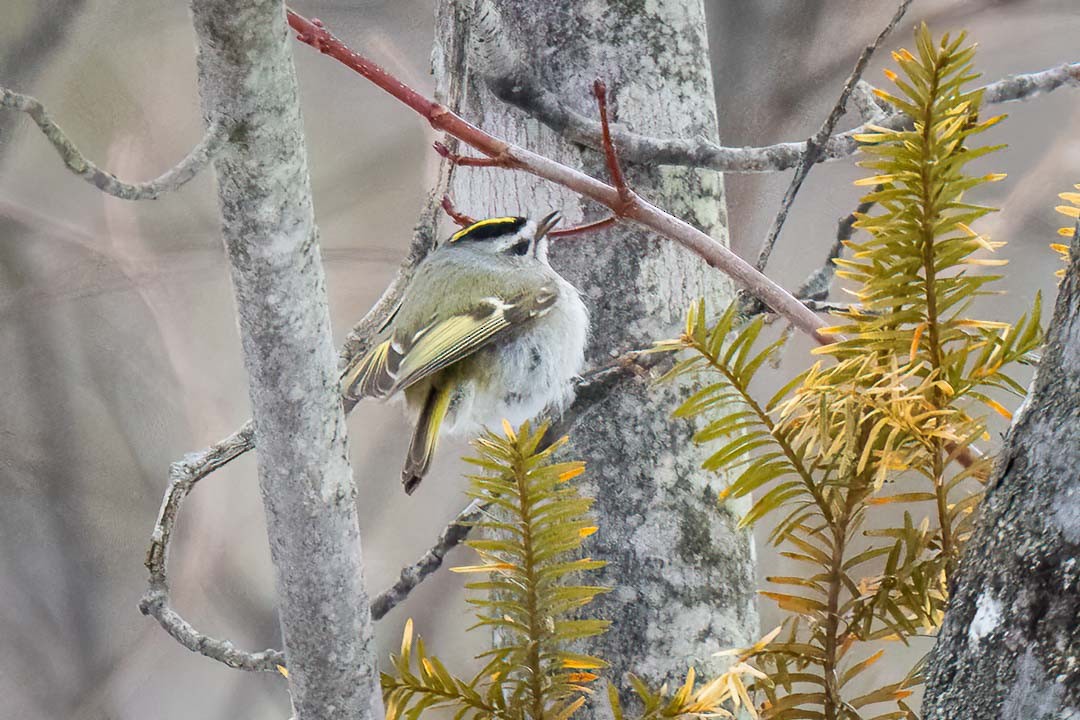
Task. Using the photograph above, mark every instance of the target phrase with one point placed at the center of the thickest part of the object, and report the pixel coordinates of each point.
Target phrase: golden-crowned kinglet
(486, 331)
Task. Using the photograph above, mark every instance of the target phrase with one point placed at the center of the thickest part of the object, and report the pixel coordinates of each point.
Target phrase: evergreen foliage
(1072, 210)
(905, 390)
(530, 551)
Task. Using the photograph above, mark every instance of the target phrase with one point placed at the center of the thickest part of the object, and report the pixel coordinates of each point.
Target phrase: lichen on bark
(247, 82)
(683, 574)
(1009, 648)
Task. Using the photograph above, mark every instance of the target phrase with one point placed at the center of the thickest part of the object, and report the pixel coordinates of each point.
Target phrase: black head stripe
(488, 229)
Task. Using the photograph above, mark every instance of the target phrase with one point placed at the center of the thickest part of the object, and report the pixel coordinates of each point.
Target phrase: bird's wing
(399, 362)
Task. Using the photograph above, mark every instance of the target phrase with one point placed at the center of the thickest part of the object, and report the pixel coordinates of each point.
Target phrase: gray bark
(684, 574)
(246, 76)
(1010, 645)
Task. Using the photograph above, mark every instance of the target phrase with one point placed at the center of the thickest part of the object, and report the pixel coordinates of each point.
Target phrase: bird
(486, 331)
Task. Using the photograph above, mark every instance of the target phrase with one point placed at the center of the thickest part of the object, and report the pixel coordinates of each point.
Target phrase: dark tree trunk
(1010, 645)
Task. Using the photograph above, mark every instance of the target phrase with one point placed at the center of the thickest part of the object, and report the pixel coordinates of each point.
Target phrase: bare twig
(412, 575)
(460, 219)
(626, 195)
(519, 88)
(815, 144)
(155, 603)
(583, 228)
(518, 158)
(816, 286)
(465, 161)
(1031, 85)
(172, 179)
(184, 474)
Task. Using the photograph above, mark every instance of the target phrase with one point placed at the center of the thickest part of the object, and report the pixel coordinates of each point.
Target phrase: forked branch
(617, 196)
(460, 219)
(519, 88)
(172, 179)
(816, 144)
(186, 473)
(463, 220)
(511, 156)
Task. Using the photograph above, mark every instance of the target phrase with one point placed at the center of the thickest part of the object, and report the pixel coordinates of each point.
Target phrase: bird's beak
(546, 223)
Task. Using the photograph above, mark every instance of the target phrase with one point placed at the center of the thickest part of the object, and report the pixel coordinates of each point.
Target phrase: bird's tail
(425, 437)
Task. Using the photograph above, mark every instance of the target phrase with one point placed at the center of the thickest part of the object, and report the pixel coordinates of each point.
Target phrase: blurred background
(119, 349)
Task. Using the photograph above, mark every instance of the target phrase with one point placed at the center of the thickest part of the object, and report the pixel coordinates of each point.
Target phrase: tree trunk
(1010, 645)
(246, 75)
(684, 576)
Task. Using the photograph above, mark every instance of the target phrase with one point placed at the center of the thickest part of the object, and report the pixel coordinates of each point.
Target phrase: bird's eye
(519, 248)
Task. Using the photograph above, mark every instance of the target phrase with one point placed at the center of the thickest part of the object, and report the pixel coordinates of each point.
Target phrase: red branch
(626, 195)
(621, 201)
(315, 34)
(459, 218)
(463, 220)
(584, 227)
(463, 161)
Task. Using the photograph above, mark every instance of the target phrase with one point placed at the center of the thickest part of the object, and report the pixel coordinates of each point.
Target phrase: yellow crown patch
(489, 228)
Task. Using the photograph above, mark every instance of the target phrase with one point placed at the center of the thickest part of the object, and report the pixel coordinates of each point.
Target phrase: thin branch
(460, 219)
(184, 474)
(464, 160)
(412, 575)
(511, 156)
(584, 228)
(155, 603)
(520, 88)
(816, 286)
(626, 195)
(815, 144)
(172, 179)
(1031, 85)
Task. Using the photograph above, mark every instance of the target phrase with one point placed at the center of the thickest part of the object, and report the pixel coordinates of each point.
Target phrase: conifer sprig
(1072, 210)
(903, 393)
(529, 550)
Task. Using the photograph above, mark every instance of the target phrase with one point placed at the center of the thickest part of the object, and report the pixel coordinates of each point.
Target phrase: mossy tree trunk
(246, 75)
(1010, 645)
(684, 576)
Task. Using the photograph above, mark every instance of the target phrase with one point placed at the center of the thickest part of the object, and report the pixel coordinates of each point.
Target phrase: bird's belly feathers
(534, 372)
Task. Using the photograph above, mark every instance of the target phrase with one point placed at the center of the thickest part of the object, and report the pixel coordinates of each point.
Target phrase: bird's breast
(530, 372)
